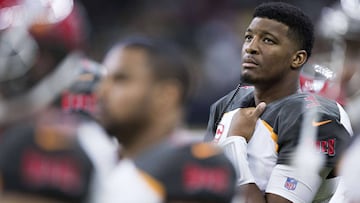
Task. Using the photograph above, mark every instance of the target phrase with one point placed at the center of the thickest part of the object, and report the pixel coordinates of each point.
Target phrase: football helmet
(40, 51)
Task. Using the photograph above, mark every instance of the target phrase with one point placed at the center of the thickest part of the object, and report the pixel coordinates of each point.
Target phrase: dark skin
(272, 63)
(131, 84)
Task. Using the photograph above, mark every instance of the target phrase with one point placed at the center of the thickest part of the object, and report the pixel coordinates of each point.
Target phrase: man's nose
(251, 47)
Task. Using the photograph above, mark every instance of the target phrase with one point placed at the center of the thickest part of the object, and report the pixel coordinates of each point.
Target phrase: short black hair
(300, 26)
(167, 60)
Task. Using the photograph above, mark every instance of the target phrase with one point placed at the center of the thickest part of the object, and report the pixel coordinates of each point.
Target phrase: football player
(270, 130)
(142, 99)
(41, 57)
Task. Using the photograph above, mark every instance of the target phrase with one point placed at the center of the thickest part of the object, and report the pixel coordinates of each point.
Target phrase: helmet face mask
(315, 78)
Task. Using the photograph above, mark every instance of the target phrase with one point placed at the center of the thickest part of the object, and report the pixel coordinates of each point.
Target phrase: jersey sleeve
(332, 140)
(286, 182)
(333, 134)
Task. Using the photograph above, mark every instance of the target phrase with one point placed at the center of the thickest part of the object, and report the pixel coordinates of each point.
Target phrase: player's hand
(244, 121)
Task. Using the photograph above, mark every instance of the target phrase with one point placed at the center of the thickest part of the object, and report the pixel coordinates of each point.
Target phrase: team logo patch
(290, 183)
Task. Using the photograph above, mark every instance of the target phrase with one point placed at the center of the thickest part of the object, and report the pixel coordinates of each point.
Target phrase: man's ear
(298, 59)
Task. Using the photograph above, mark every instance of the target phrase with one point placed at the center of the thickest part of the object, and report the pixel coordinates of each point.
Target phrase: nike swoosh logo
(317, 124)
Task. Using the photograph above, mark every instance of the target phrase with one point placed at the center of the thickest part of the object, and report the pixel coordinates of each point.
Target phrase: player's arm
(252, 194)
(288, 183)
(284, 186)
(298, 179)
(244, 121)
(235, 146)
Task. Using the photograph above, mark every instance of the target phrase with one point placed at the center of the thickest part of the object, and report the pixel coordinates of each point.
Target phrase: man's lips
(250, 63)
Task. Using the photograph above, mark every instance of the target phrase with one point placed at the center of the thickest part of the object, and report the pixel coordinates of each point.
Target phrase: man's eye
(269, 41)
(248, 38)
(119, 78)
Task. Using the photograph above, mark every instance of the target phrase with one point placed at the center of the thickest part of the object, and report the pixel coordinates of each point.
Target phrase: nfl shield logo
(290, 184)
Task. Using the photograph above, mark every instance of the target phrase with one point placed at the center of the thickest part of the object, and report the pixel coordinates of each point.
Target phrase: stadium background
(209, 31)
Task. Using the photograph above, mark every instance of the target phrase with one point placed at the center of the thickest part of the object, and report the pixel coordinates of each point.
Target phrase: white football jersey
(128, 184)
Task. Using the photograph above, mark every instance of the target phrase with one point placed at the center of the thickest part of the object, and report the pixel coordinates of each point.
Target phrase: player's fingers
(259, 109)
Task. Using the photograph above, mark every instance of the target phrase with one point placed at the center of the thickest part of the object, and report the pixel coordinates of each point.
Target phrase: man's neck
(155, 133)
(274, 92)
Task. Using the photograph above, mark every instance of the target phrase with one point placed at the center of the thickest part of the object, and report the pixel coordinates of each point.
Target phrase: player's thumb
(259, 109)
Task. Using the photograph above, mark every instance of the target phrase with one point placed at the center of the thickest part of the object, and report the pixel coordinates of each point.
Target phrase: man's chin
(124, 133)
(110, 129)
(247, 79)
(111, 132)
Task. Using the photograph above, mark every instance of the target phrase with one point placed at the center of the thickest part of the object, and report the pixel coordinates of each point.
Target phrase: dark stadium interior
(208, 31)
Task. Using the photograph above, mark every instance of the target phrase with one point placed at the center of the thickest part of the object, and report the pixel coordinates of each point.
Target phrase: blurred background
(209, 31)
(210, 34)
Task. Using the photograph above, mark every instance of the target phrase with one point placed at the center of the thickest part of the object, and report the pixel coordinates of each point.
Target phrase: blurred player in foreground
(42, 161)
(142, 100)
(192, 173)
(41, 155)
(270, 130)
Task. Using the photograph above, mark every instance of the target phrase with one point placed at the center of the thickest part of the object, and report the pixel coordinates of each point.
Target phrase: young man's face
(267, 52)
(125, 94)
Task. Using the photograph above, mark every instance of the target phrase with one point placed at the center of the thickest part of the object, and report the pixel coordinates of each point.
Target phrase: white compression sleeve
(235, 148)
(286, 182)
